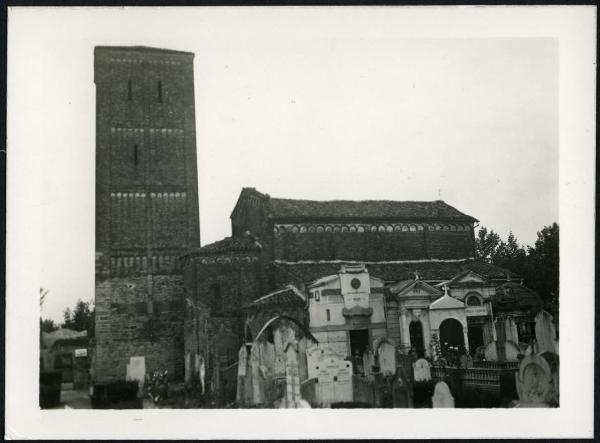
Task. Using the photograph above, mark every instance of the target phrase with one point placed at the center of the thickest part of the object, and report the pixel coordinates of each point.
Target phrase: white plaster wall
(437, 316)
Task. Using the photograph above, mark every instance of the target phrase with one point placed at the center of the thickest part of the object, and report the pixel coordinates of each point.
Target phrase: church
(351, 272)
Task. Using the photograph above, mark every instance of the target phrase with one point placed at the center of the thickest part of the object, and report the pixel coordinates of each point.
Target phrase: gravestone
(258, 382)
(403, 395)
(510, 330)
(466, 361)
(188, 369)
(545, 332)
(421, 370)
(199, 363)
(442, 398)
(241, 373)
(302, 363)
(242, 361)
(507, 351)
(386, 354)
(292, 380)
(368, 362)
(334, 376)
(537, 381)
(136, 369)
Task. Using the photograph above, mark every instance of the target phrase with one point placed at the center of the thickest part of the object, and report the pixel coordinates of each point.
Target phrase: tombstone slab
(387, 358)
(442, 398)
(422, 370)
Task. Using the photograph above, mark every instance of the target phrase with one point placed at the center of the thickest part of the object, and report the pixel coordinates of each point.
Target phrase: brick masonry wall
(146, 206)
(373, 246)
(214, 333)
(249, 215)
(450, 244)
(125, 328)
(369, 246)
(145, 151)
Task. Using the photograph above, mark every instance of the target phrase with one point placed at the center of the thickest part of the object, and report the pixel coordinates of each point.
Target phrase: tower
(146, 206)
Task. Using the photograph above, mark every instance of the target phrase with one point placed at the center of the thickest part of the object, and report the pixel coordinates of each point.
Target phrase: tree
(542, 270)
(510, 254)
(486, 244)
(81, 317)
(47, 325)
(538, 265)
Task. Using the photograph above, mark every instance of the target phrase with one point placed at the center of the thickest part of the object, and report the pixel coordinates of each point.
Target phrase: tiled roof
(142, 49)
(514, 296)
(428, 270)
(243, 243)
(288, 296)
(365, 209)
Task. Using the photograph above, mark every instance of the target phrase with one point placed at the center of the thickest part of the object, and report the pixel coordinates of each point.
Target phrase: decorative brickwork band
(227, 259)
(280, 229)
(138, 265)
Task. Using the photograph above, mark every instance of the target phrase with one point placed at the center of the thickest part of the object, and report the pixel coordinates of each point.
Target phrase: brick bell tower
(146, 206)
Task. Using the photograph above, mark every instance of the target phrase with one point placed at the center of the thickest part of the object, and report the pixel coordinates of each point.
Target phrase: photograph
(293, 208)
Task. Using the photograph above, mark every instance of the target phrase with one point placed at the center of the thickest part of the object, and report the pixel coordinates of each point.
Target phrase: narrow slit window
(135, 154)
(160, 97)
(129, 90)
(328, 314)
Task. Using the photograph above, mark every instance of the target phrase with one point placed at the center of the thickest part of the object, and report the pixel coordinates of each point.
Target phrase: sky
(316, 106)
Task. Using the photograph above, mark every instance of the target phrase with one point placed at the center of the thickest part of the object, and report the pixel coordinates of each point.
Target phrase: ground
(73, 399)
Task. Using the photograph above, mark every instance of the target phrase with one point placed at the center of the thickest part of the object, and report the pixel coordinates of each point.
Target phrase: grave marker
(442, 398)
(334, 376)
(387, 358)
(368, 362)
(136, 369)
(545, 332)
(537, 381)
(422, 370)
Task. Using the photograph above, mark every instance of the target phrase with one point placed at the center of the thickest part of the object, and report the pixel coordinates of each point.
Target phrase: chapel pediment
(467, 278)
(447, 302)
(414, 288)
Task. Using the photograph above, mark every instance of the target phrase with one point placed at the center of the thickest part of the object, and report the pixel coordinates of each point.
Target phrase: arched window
(473, 299)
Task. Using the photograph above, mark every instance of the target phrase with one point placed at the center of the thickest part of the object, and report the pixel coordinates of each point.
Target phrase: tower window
(135, 154)
(129, 90)
(328, 314)
(160, 98)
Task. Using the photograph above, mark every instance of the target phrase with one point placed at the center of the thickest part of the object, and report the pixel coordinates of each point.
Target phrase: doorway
(451, 335)
(475, 336)
(359, 341)
(416, 337)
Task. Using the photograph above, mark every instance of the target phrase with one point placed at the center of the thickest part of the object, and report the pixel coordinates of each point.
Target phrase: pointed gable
(447, 302)
(466, 278)
(414, 288)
